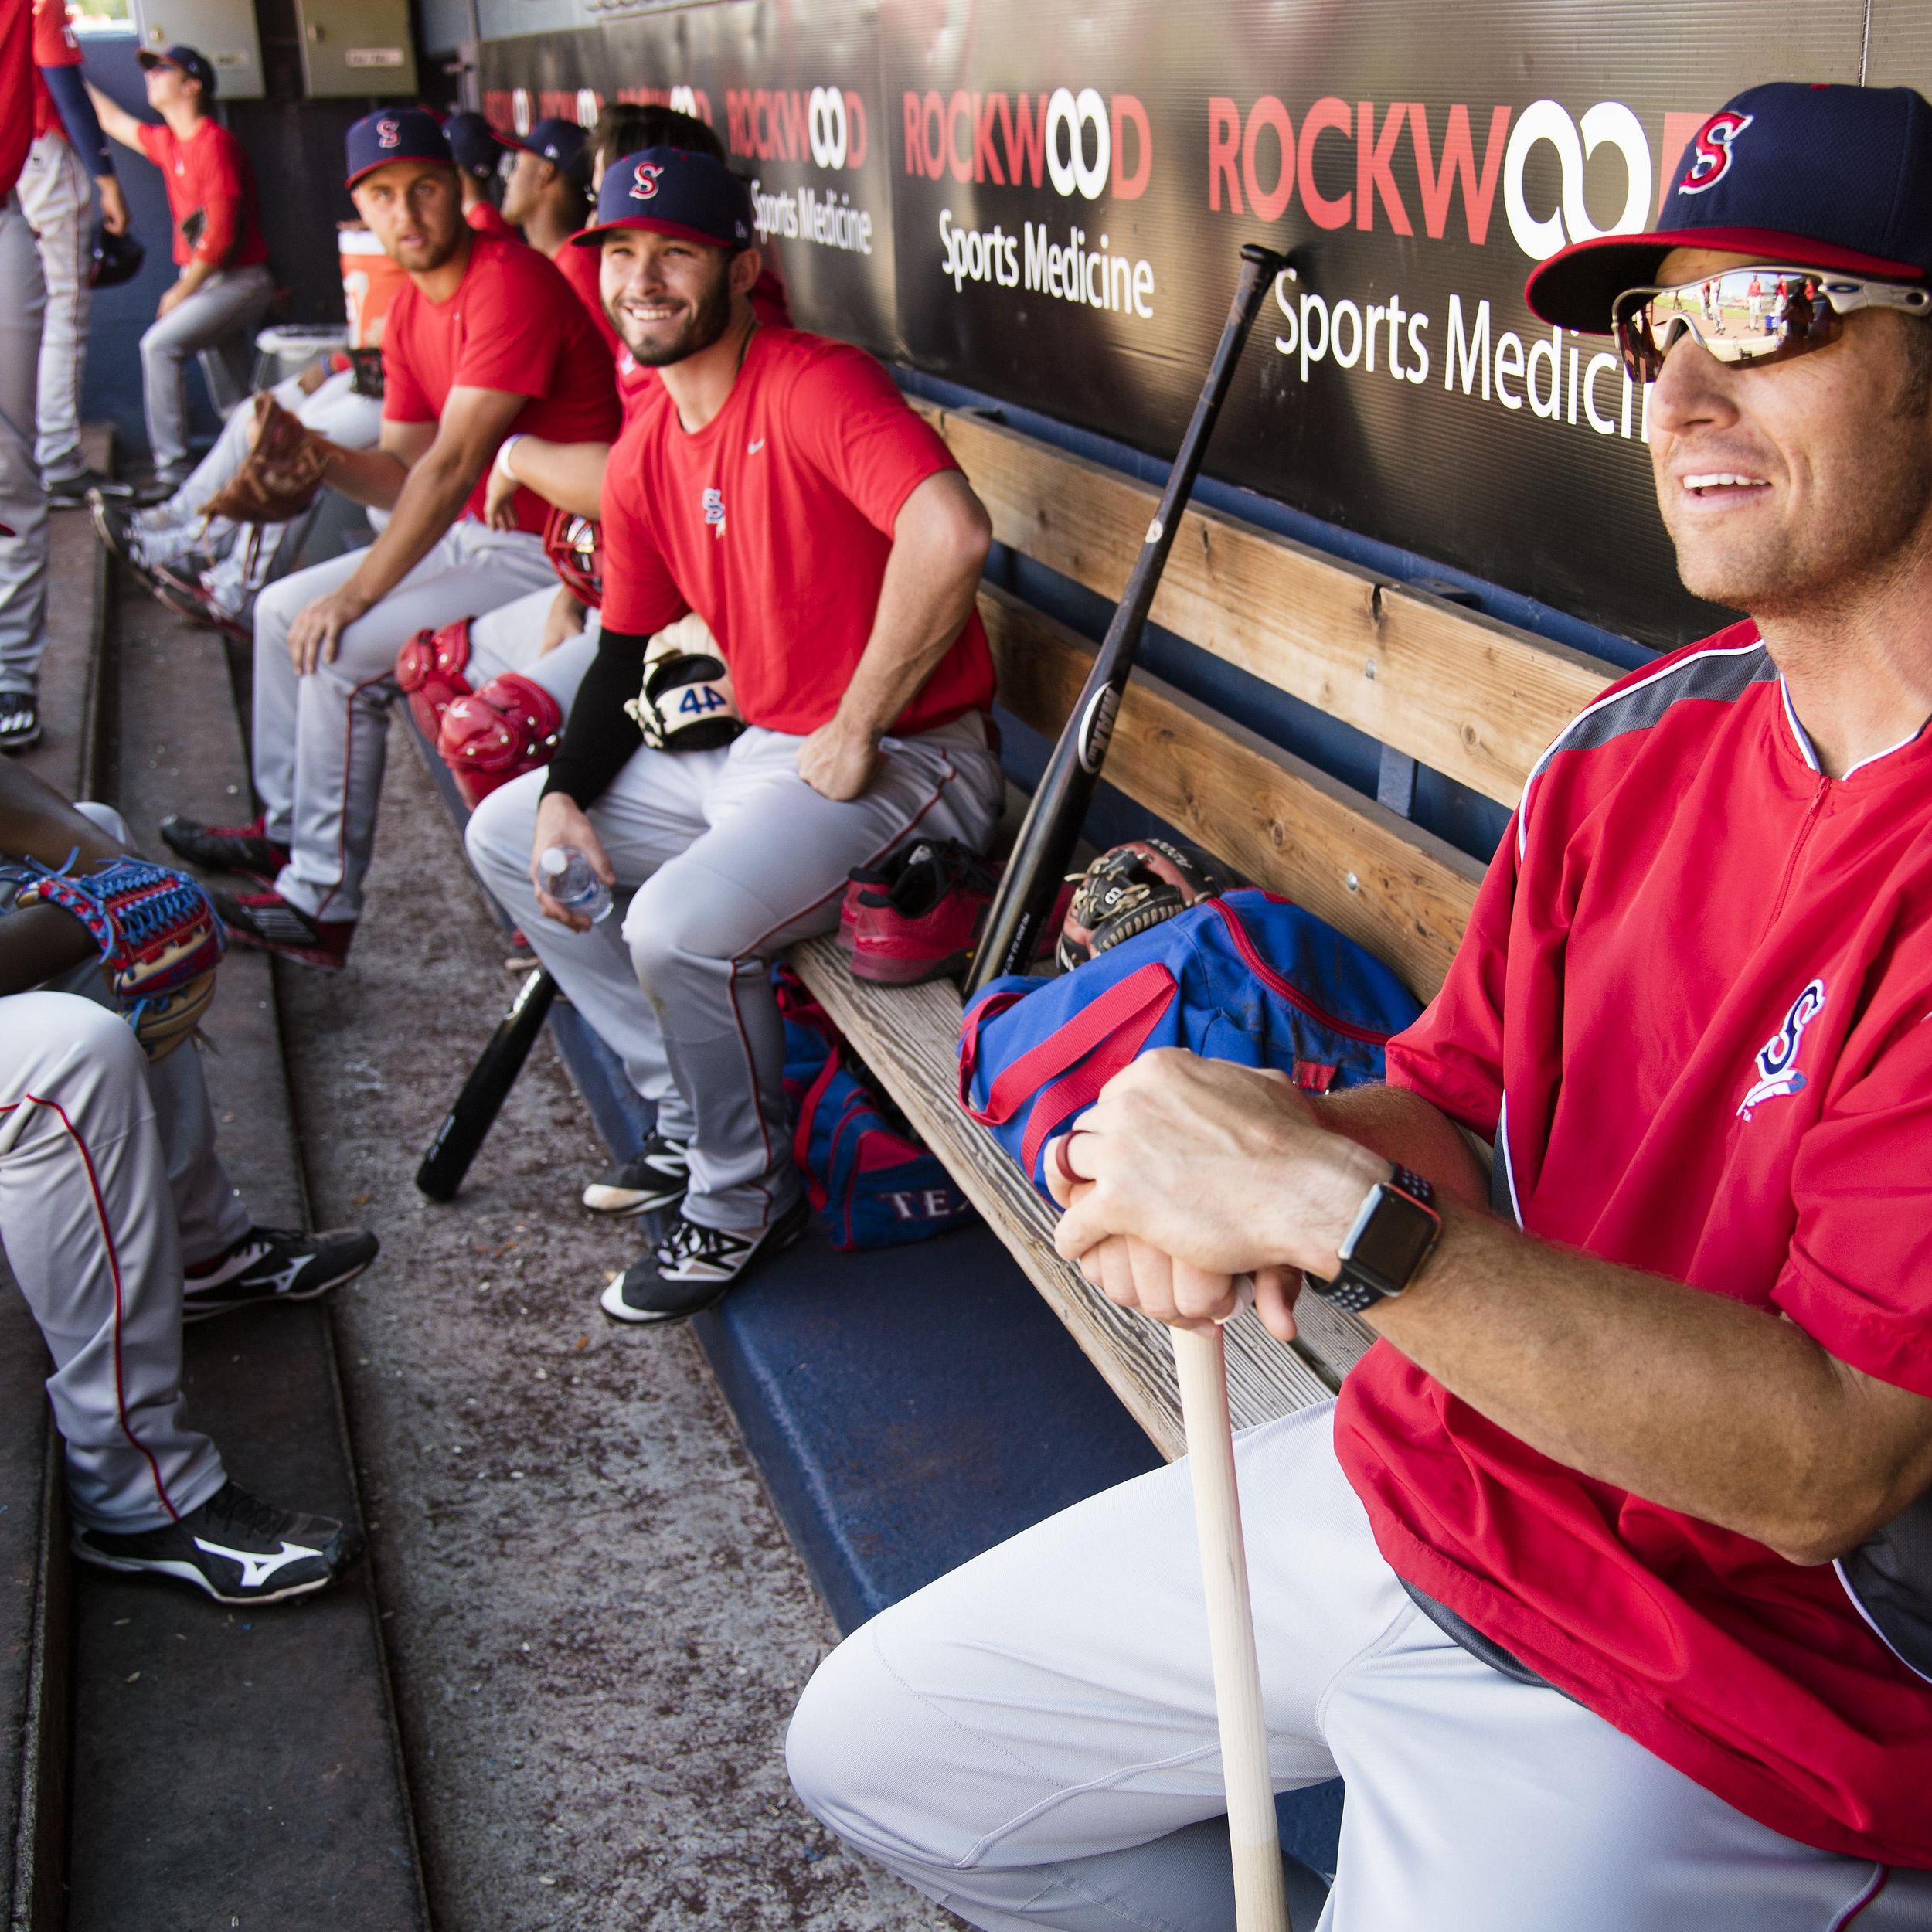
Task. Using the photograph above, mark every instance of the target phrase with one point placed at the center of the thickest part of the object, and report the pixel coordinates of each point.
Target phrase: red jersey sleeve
(1452, 1056)
(510, 342)
(856, 429)
(221, 208)
(1858, 1277)
(157, 144)
(639, 595)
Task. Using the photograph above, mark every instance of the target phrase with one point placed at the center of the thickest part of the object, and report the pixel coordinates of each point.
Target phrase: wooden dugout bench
(1475, 699)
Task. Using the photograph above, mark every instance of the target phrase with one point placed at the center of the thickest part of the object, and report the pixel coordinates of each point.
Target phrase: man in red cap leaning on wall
(1606, 1583)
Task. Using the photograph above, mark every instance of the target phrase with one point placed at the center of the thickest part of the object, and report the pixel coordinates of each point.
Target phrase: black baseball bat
(485, 1090)
(1051, 828)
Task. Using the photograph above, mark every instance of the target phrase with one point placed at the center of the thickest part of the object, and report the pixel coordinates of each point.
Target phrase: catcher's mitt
(1129, 889)
(280, 477)
(160, 941)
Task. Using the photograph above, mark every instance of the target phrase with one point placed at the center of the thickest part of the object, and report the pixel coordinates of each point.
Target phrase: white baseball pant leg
(320, 740)
(206, 324)
(23, 502)
(242, 568)
(209, 1214)
(57, 198)
(729, 856)
(88, 1225)
(1032, 1741)
(506, 639)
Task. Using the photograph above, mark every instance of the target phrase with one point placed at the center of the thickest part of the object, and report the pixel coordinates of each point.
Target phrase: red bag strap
(1148, 987)
(1073, 1093)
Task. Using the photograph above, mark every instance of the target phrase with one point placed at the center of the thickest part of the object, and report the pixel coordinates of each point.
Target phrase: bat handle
(1260, 1896)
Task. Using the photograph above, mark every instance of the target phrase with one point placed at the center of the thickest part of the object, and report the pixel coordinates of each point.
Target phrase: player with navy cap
(487, 339)
(775, 484)
(223, 286)
(1606, 1582)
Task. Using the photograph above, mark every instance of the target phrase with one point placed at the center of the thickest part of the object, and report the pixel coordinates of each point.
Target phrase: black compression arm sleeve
(77, 115)
(599, 735)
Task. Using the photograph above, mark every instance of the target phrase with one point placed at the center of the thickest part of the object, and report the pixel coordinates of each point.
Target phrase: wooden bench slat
(1271, 814)
(1475, 699)
(909, 1037)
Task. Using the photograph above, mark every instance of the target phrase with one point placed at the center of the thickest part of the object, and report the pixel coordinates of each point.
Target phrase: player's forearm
(373, 479)
(431, 498)
(119, 124)
(194, 273)
(1692, 1401)
(39, 943)
(569, 475)
(1403, 1128)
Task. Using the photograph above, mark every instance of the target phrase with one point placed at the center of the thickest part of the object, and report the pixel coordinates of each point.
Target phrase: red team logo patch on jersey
(388, 133)
(1711, 151)
(1776, 1062)
(643, 183)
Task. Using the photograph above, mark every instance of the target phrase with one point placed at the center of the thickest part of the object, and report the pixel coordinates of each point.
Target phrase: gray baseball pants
(23, 503)
(57, 197)
(1032, 1741)
(212, 324)
(727, 856)
(321, 740)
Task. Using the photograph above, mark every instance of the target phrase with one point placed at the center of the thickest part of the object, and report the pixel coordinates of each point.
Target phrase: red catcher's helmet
(575, 546)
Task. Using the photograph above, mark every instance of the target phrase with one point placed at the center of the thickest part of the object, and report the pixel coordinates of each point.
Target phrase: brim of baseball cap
(1576, 287)
(428, 160)
(585, 237)
(148, 58)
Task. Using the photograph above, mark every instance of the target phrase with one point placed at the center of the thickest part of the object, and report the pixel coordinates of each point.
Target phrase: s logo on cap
(388, 134)
(1711, 151)
(644, 185)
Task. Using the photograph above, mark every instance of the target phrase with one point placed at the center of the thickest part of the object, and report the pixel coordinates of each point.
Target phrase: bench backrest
(1474, 698)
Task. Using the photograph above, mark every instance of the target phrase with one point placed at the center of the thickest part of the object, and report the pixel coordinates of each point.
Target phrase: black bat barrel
(483, 1092)
(1013, 932)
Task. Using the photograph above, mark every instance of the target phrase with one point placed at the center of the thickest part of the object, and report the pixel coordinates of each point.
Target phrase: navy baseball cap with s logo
(1812, 176)
(395, 134)
(669, 191)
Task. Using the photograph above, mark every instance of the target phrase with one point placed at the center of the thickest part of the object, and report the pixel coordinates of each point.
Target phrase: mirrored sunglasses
(1761, 313)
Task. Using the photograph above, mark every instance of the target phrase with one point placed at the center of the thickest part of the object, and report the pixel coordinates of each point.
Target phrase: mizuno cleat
(271, 1265)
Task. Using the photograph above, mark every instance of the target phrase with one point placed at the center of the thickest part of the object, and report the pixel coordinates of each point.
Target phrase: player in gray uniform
(776, 486)
(487, 336)
(120, 1223)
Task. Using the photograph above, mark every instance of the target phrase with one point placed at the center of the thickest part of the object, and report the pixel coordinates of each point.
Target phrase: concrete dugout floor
(597, 1629)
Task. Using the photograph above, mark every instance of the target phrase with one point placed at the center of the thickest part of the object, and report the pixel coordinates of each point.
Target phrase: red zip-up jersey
(1692, 1006)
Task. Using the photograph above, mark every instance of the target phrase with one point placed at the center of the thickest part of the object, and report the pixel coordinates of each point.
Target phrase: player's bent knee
(498, 836)
(840, 1736)
(79, 1039)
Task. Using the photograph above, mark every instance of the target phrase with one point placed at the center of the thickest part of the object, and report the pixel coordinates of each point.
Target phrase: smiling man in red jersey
(774, 485)
(1606, 1583)
(486, 338)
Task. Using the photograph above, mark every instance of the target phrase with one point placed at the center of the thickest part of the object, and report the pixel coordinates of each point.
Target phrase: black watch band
(1394, 1232)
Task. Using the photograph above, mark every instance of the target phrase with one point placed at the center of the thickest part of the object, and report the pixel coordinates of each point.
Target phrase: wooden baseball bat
(1261, 1897)
(1052, 824)
(485, 1090)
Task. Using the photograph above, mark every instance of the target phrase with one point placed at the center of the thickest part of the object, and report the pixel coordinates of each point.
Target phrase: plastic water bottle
(569, 878)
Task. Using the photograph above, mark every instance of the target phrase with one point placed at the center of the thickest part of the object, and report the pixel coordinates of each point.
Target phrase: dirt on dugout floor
(596, 1627)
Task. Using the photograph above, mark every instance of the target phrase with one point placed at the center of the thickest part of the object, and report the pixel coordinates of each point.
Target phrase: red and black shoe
(184, 593)
(268, 922)
(915, 918)
(246, 849)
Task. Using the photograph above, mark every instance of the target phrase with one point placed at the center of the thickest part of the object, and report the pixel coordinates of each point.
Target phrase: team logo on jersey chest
(1775, 1065)
(714, 514)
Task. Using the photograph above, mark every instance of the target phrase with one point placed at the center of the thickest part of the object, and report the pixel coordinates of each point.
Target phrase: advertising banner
(1046, 203)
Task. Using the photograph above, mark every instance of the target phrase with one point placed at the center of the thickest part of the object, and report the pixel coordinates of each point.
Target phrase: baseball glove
(687, 703)
(1130, 889)
(160, 941)
(280, 477)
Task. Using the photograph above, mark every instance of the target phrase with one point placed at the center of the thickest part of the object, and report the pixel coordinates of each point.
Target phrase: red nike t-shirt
(55, 44)
(211, 195)
(512, 325)
(635, 380)
(1693, 993)
(774, 523)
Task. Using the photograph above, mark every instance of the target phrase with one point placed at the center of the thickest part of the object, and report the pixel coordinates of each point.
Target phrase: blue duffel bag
(1248, 976)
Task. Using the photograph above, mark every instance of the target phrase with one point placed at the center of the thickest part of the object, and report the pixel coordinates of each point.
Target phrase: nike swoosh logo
(256, 1570)
(752, 449)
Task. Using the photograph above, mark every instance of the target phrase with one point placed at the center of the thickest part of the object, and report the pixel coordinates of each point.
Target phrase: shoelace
(231, 1504)
(687, 1241)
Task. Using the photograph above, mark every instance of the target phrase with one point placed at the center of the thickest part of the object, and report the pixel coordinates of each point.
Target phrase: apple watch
(1394, 1231)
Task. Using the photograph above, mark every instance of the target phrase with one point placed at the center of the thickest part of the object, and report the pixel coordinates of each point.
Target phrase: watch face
(1391, 1245)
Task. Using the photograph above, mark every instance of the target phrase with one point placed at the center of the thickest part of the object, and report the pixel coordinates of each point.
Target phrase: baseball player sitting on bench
(775, 483)
(110, 1182)
(487, 337)
(1606, 1583)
